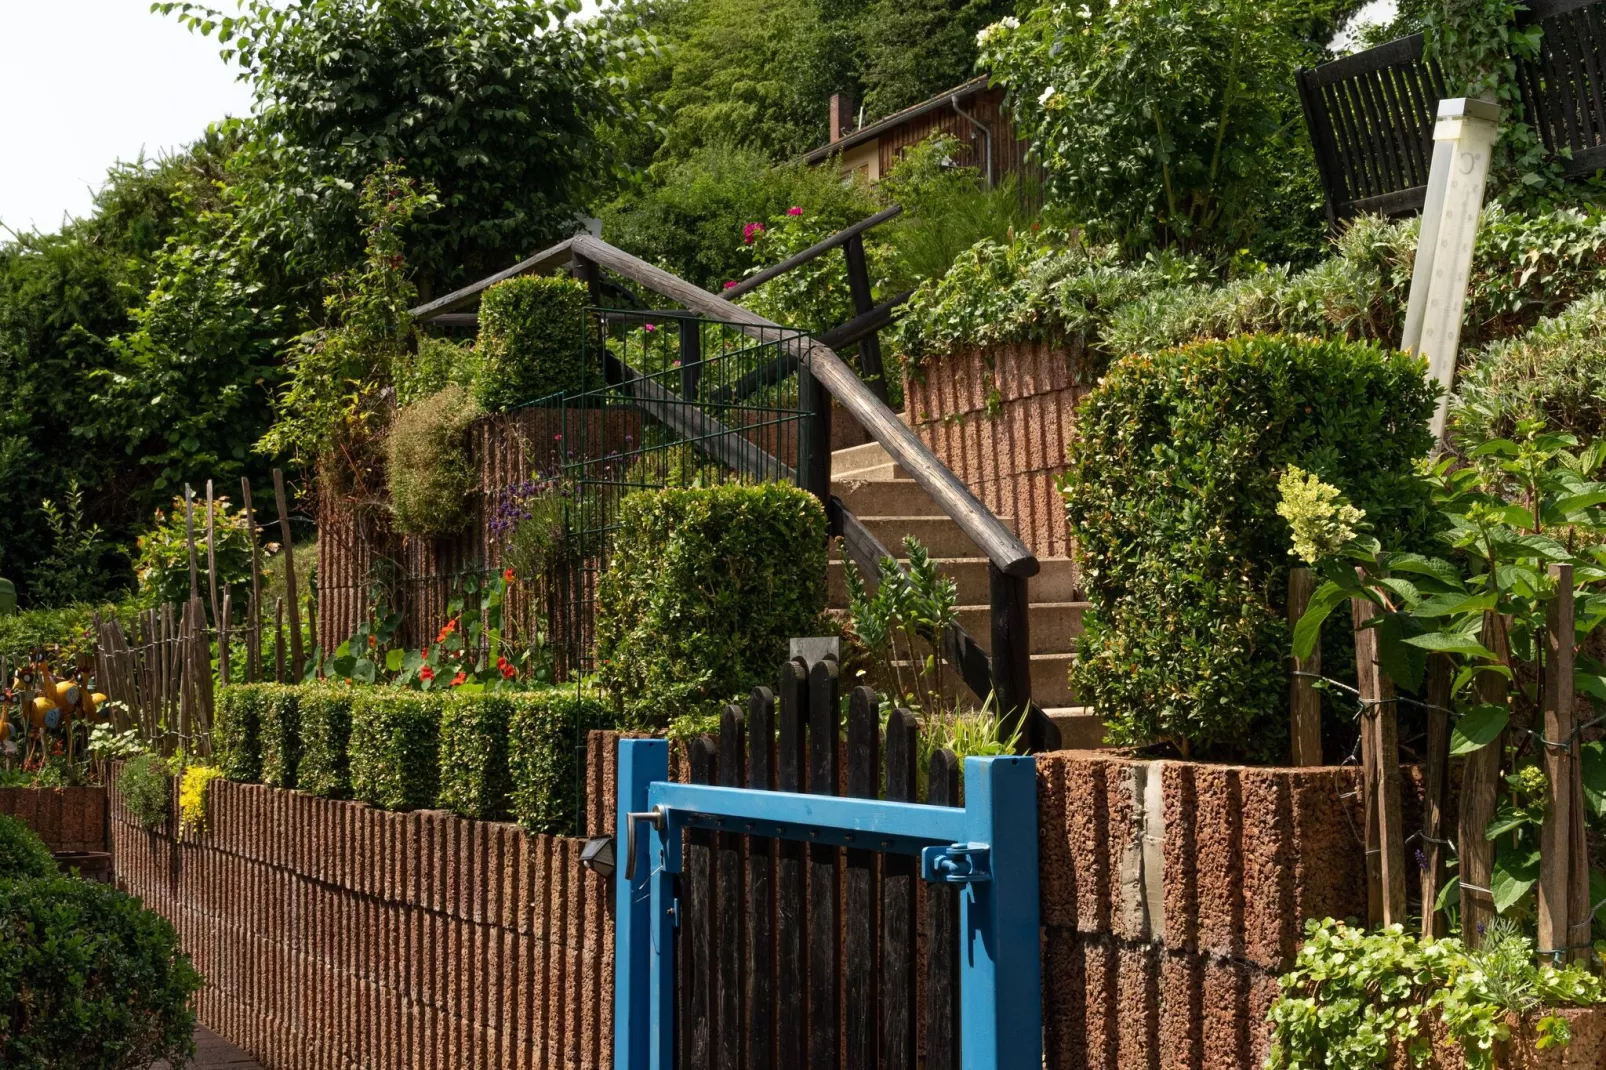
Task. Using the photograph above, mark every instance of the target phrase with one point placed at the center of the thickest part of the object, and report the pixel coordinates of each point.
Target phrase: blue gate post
(641, 761)
(1000, 959)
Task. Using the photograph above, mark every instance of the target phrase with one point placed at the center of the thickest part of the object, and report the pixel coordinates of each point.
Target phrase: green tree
(911, 50)
(495, 104)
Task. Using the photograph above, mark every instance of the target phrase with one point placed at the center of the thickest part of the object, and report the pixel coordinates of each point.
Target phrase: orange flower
(459, 678)
(508, 575)
(506, 668)
(426, 673)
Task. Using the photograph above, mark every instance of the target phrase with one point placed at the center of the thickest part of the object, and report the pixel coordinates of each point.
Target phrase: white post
(1462, 139)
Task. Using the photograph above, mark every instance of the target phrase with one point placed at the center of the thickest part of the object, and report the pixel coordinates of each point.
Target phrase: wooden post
(691, 358)
(1437, 761)
(253, 628)
(278, 640)
(189, 528)
(224, 632)
(289, 578)
(1304, 701)
(1556, 834)
(1011, 653)
(870, 365)
(211, 554)
(814, 466)
(1480, 785)
(1380, 758)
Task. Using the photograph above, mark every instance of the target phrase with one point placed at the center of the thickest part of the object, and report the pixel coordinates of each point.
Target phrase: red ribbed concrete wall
(1000, 419)
(333, 935)
(67, 819)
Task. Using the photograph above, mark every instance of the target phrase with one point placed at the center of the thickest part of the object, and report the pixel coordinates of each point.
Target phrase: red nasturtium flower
(508, 575)
(506, 668)
(459, 678)
(426, 673)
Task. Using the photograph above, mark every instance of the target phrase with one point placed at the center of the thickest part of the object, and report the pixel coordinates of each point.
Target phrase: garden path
(212, 1052)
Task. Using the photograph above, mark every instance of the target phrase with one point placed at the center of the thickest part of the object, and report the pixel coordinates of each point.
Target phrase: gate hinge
(958, 863)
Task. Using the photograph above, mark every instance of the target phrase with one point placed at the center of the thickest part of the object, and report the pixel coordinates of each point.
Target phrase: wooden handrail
(819, 248)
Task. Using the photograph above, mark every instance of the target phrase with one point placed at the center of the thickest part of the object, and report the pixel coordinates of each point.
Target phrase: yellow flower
(1323, 521)
(192, 796)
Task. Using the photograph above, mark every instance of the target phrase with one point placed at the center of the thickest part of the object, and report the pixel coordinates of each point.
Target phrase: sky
(85, 83)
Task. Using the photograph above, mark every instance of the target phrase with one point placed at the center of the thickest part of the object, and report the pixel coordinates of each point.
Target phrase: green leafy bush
(237, 731)
(435, 364)
(1172, 496)
(70, 628)
(90, 980)
(546, 752)
(147, 789)
(532, 330)
(325, 767)
(430, 467)
(474, 756)
(22, 852)
(164, 554)
(704, 590)
(281, 735)
(395, 748)
(1354, 998)
(1555, 373)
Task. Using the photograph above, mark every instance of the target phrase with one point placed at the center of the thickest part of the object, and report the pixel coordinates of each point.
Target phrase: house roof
(881, 126)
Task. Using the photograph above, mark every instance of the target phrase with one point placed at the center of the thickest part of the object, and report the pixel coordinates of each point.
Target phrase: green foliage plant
(72, 571)
(90, 979)
(901, 627)
(546, 753)
(146, 788)
(280, 735)
(325, 767)
(395, 748)
(22, 853)
(163, 567)
(237, 730)
(67, 628)
(429, 465)
(433, 365)
(474, 756)
(1171, 495)
(703, 591)
(1519, 506)
(531, 340)
(1356, 999)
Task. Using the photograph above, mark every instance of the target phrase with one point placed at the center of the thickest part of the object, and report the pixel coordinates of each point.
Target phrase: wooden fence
(1371, 115)
(803, 955)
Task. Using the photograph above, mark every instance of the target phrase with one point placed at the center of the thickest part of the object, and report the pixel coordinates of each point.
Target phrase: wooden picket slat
(1436, 790)
(1304, 701)
(761, 887)
(859, 900)
(942, 935)
(898, 905)
(1380, 760)
(695, 1029)
(1556, 753)
(791, 909)
(824, 939)
(729, 902)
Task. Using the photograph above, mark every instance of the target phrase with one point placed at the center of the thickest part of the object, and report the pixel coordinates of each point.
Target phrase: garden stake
(1437, 789)
(211, 553)
(289, 577)
(1380, 756)
(189, 528)
(1304, 702)
(1480, 783)
(1555, 835)
(253, 625)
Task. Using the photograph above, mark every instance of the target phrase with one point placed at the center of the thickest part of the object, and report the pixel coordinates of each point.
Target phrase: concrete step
(940, 535)
(866, 456)
(1051, 682)
(1055, 583)
(1055, 626)
(1080, 727)
(885, 497)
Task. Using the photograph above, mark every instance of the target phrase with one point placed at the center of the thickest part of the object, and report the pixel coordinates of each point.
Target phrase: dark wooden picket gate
(844, 936)
(1371, 115)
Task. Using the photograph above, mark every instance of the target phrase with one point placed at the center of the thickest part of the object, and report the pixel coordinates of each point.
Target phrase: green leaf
(1326, 598)
(393, 660)
(1450, 893)
(1454, 603)
(1451, 643)
(1515, 872)
(1404, 588)
(1440, 570)
(1592, 769)
(1478, 727)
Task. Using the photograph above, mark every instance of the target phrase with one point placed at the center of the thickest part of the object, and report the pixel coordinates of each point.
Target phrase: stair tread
(980, 606)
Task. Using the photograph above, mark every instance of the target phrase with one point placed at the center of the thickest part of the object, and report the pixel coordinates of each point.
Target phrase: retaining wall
(67, 819)
(334, 935)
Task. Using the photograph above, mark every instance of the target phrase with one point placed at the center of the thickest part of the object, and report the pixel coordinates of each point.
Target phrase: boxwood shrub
(474, 746)
(1171, 496)
(237, 731)
(546, 752)
(89, 979)
(395, 748)
(281, 734)
(22, 852)
(704, 589)
(530, 340)
(325, 712)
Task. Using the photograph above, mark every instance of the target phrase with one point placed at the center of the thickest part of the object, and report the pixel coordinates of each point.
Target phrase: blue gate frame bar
(1000, 984)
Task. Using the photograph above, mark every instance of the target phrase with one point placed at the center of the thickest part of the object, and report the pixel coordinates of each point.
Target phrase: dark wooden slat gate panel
(761, 887)
(825, 939)
(858, 900)
(791, 915)
(942, 940)
(694, 1031)
(1371, 115)
(728, 980)
(898, 906)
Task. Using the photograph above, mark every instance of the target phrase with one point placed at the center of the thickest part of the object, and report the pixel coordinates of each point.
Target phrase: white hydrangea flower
(986, 33)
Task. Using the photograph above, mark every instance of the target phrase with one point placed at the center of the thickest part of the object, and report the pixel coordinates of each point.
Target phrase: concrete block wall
(67, 819)
(334, 935)
(1000, 419)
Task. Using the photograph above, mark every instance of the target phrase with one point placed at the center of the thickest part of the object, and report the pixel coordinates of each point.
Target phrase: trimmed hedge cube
(546, 753)
(325, 768)
(280, 728)
(474, 769)
(395, 748)
(237, 731)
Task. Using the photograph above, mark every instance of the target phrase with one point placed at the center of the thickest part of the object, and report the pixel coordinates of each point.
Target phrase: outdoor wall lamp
(597, 855)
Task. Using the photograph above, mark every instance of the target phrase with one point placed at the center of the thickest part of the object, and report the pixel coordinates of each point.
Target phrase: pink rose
(794, 210)
(730, 284)
(751, 231)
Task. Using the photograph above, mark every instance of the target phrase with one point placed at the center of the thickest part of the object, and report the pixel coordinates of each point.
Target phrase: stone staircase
(891, 506)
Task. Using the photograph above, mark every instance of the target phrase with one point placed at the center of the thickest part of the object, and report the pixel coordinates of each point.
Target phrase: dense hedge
(546, 752)
(1171, 495)
(703, 591)
(325, 738)
(237, 730)
(281, 735)
(22, 852)
(474, 774)
(530, 340)
(428, 463)
(89, 980)
(395, 748)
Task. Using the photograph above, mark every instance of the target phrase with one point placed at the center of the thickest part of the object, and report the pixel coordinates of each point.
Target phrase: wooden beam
(1437, 790)
(818, 249)
(289, 577)
(553, 257)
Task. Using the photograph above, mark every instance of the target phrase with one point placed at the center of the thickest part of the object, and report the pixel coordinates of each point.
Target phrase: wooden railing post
(870, 365)
(1011, 651)
(1304, 702)
(588, 271)
(814, 465)
(691, 357)
(291, 594)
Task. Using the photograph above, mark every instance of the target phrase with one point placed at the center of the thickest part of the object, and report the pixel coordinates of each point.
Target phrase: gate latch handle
(653, 817)
(957, 863)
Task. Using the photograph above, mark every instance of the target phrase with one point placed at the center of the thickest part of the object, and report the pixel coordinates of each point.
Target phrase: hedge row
(493, 756)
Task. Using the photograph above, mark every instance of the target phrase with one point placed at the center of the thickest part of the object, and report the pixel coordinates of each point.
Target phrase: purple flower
(649, 327)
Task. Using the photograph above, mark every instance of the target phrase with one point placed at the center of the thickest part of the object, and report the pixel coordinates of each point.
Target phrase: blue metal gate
(988, 848)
